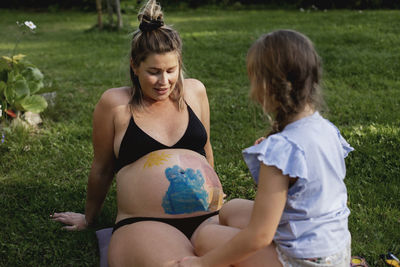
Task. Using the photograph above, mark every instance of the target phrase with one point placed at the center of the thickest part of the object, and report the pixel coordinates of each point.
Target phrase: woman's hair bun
(150, 16)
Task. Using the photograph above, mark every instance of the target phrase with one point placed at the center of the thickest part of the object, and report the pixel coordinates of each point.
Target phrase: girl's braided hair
(285, 72)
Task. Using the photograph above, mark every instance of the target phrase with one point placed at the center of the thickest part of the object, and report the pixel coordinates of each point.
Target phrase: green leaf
(21, 87)
(35, 103)
(17, 105)
(11, 76)
(9, 93)
(32, 74)
(35, 86)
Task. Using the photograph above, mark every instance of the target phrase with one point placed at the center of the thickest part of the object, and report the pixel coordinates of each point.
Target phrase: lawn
(45, 170)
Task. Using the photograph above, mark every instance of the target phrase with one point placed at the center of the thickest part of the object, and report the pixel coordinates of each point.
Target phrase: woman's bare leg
(212, 235)
(234, 215)
(148, 244)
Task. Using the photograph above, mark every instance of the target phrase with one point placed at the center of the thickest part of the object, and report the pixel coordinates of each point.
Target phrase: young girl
(299, 216)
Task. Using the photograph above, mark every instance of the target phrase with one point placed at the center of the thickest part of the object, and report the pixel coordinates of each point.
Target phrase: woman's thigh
(212, 236)
(148, 244)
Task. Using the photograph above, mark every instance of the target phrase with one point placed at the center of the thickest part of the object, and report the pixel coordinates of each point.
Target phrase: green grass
(46, 170)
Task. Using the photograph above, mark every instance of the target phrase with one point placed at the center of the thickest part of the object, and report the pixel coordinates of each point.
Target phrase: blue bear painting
(185, 193)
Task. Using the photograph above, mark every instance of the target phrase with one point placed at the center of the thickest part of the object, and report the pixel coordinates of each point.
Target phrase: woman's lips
(161, 90)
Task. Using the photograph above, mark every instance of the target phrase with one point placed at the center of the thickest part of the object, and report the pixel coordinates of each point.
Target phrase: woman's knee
(236, 213)
(201, 240)
(211, 236)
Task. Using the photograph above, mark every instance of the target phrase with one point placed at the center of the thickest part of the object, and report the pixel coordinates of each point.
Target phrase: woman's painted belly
(168, 183)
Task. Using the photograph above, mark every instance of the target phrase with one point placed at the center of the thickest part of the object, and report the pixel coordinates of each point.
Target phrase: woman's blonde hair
(154, 37)
(285, 72)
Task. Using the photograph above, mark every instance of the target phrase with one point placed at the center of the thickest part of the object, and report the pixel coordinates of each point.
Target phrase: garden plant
(21, 87)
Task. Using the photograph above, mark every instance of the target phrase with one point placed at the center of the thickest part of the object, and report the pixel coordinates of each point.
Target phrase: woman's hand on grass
(74, 221)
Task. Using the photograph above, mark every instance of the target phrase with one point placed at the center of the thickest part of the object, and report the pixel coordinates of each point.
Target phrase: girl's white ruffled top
(314, 221)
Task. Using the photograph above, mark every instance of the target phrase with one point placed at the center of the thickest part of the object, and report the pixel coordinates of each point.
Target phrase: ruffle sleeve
(278, 151)
(346, 146)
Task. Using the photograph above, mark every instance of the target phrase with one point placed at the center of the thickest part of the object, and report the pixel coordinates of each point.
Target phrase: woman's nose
(163, 78)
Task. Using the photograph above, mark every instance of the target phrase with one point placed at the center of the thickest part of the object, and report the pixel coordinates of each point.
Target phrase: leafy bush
(21, 82)
(20, 85)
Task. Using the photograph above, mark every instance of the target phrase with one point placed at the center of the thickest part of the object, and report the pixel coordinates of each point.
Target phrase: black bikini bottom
(186, 225)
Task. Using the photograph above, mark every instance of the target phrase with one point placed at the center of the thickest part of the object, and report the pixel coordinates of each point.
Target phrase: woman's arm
(268, 207)
(101, 173)
(205, 119)
(196, 95)
(102, 170)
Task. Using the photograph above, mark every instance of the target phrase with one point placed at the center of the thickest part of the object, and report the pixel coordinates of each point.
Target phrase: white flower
(301, 9)
(1, 112)
(30, 25)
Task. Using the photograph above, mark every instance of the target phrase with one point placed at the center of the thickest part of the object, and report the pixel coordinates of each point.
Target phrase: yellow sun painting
(155, 158)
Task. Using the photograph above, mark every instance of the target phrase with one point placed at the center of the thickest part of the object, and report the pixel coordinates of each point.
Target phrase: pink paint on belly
(196, 163)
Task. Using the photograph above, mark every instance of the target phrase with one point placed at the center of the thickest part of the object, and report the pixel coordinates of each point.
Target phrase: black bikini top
(136, 143)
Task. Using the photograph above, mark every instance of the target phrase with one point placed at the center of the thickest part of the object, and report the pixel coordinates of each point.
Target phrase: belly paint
(186, 193)
(155, 159)
(216, 195)
(194, 185)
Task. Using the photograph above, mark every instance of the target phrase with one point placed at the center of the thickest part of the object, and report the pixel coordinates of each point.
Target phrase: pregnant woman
(154, 138)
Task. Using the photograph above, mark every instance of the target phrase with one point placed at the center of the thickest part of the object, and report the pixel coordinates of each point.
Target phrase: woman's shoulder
(194, 91)
(115, 97)
(194, 86)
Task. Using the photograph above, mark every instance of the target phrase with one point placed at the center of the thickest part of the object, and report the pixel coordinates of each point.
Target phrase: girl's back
(312, 150)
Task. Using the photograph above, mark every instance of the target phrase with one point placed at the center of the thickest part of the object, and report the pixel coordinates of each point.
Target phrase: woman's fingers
(70, 228)
(63, 220)
(60, 217)
(74, 221)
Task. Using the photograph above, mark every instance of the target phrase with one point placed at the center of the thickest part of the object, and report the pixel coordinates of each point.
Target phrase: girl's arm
(268, 207)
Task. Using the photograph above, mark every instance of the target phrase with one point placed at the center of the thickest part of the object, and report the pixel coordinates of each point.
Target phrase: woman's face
(158, 74)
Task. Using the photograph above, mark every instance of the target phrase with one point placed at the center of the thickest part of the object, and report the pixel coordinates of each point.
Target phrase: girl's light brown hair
(161, 40)
(284, 71)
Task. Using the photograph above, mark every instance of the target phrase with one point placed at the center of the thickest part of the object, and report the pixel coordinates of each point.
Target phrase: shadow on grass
(32, 239)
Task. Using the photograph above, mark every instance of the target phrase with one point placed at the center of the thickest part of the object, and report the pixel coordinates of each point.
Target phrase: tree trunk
(110, 11)
(119, 16)
(99, 14)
